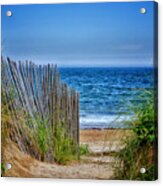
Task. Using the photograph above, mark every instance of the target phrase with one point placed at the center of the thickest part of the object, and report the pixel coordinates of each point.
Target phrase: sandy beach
(94, 135)
(97, 165)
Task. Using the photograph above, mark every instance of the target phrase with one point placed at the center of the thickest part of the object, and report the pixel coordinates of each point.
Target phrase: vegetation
(84, 150)
(139, 149)
(3, 169)
(5, 113)
(64, 149)
(42, 136)
(6, 120)
(36, 141)
(33, 122)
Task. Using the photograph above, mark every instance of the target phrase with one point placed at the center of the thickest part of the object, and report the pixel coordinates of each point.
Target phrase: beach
(94, 135)
(97, 165)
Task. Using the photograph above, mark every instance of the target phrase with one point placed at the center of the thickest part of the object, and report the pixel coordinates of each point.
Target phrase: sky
(80, 35)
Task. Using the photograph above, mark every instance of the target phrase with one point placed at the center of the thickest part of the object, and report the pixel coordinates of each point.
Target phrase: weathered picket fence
(39, 91)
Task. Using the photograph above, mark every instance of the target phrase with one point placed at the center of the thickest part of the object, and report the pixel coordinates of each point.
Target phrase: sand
(97, 165)
(105, 134)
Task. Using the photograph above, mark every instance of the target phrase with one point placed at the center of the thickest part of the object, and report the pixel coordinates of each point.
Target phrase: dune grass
(34, 136)
(140, 148)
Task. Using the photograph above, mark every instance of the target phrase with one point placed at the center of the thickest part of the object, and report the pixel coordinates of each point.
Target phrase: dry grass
(20, 161)
(104, 135)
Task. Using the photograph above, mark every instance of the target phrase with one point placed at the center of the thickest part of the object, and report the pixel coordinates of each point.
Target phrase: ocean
(107, 94)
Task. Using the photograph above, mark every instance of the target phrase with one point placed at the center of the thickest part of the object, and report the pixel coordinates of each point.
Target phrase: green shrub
(138, 151)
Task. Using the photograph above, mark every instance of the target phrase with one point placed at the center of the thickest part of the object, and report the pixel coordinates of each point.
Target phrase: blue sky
(99, 34)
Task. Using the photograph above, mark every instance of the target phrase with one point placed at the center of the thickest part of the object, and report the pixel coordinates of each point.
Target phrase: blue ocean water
(106, 94)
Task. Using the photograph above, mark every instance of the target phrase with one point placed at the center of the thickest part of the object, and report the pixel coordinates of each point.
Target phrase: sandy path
(94, 166)
(90, 167)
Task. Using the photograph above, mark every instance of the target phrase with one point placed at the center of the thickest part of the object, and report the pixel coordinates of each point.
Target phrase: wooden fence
(40, 92)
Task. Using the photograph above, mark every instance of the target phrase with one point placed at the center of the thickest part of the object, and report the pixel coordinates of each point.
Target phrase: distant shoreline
(105, 67)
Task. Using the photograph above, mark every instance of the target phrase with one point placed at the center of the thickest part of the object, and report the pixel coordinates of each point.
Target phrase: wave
(92, 121)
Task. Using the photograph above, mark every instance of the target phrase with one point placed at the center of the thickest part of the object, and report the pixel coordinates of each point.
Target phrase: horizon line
(105, 66)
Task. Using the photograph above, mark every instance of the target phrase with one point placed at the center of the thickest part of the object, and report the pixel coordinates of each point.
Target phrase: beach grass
(139, 148)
